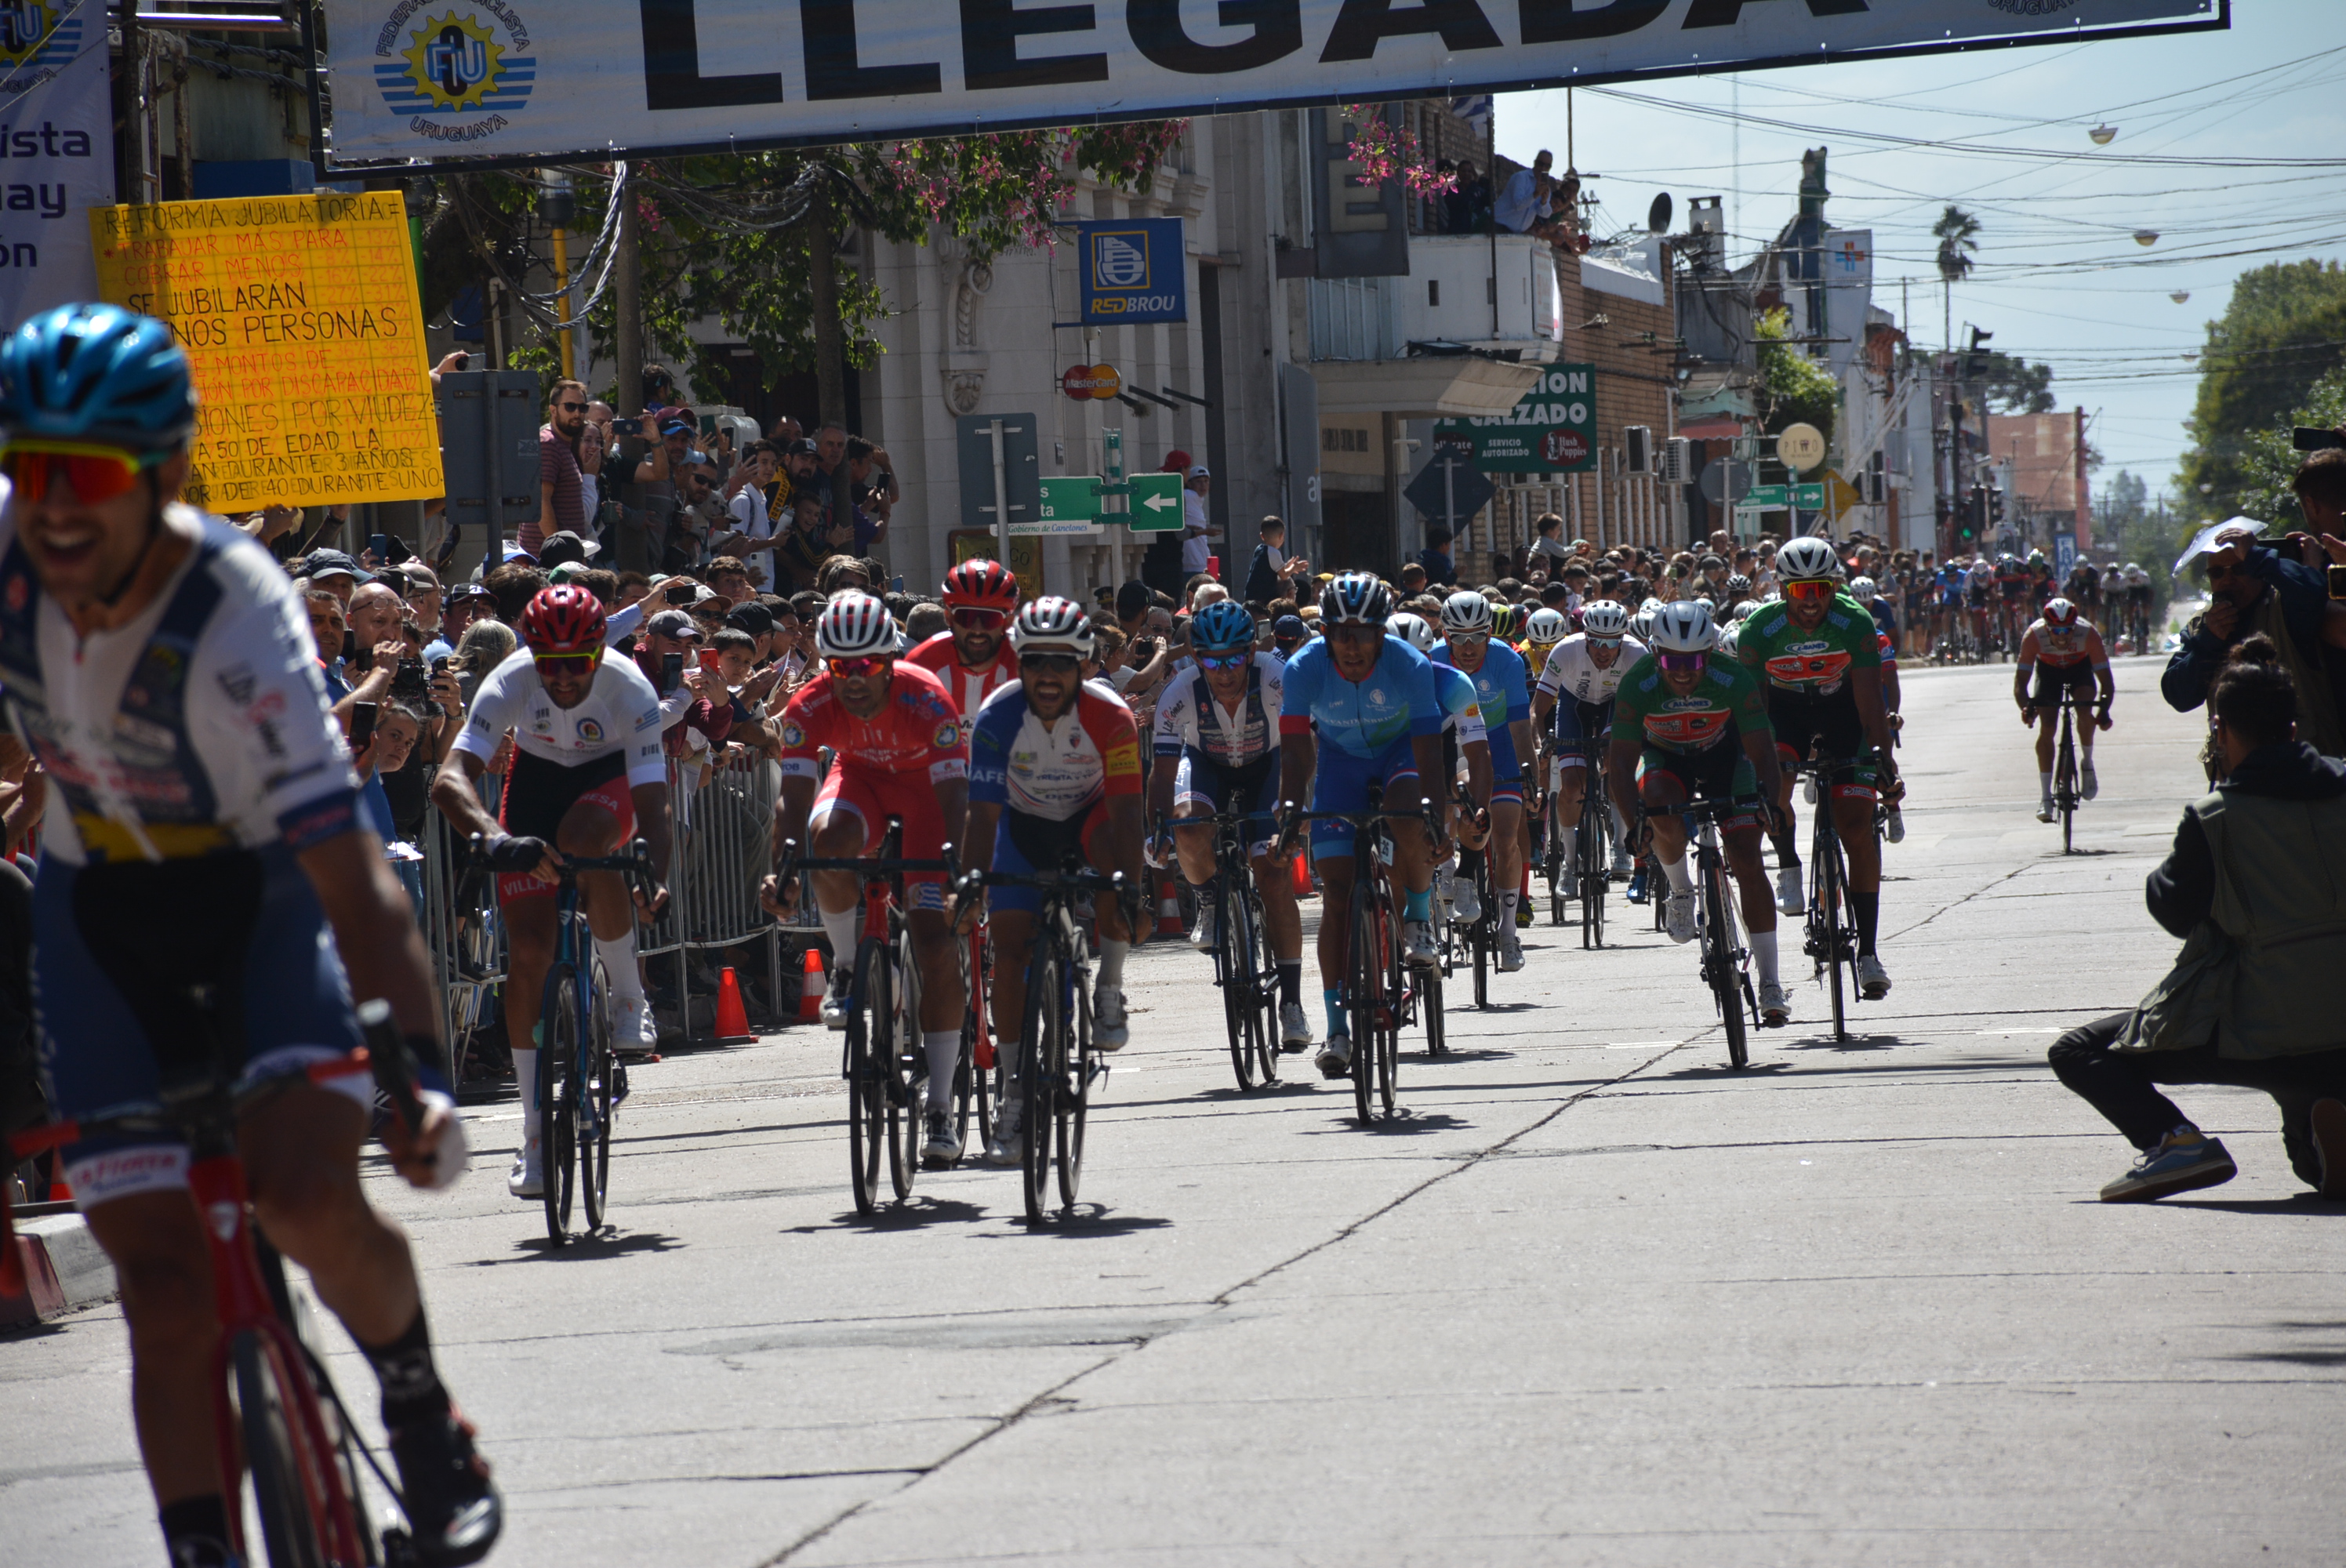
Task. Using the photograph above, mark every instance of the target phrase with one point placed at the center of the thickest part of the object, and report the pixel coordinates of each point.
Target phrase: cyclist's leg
(538, 797)
(1198, 789)
(598, 823)
(1660, 788)
(1276, 887)
(914, 801)
(1340, 783)
(1412, 854)
(848, 820)
(161, 1268)
(1507, 855)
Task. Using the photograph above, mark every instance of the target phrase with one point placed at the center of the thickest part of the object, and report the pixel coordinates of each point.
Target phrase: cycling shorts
(1576, 721)
(98, 1060)
(1342, 785)
(1202, 781)
(1802, 722)
(1026, 846)
(2045, 692)
(871, 796)
(539, 793)
(1720, 773)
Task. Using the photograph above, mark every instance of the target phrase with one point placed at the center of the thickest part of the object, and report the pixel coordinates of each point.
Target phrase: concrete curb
(65, 1270)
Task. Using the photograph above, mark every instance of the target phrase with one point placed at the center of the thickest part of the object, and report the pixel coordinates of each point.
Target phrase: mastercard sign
(1082, 381)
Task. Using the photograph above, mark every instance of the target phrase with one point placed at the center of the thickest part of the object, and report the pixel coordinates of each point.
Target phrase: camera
(409, 684)
(2313, 438)
(2337, 581)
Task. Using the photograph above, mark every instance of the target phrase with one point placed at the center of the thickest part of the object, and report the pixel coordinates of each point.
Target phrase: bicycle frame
(1233, 892)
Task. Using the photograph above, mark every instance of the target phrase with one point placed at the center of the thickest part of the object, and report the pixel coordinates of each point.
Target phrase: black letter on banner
(1556, 22)
(1362, 23)
(1727, 12)
(1156, 29)
(672, 78)
(989, 31)
(829, 28)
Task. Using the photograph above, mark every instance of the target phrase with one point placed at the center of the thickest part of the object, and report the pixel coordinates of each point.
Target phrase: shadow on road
(2303, 1204)
(1091, 1219)
(608, 1242)
(915, 1213)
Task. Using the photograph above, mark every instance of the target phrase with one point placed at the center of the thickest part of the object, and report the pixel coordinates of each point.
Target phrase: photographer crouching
(2256, 885)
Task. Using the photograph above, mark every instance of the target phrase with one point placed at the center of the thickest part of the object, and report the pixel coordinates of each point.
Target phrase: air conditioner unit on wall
(1678, 460)
(1637, 448)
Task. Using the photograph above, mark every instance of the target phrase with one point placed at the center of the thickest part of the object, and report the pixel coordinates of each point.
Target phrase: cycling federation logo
(32, 34)
(591, 732)
(454, 65)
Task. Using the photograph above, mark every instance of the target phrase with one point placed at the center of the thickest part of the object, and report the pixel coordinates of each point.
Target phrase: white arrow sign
(1158, 503)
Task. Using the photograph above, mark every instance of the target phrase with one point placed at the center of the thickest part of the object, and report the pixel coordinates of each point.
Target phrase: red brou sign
(1564, 448)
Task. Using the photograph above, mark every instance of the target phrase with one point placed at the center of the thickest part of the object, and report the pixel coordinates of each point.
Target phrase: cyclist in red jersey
(2063, 649)
(896, 746)
(974, 658)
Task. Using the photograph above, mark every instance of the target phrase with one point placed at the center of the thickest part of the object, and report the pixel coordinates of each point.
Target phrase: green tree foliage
(2012, 385)
(2268, 461)
(1793, 388)
(2284, 330)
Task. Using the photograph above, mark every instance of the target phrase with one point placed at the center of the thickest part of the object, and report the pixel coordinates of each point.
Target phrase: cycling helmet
(1738, 586)
(1547, 627)
(1641, 624)
(1054, 624)
(1805, 558)
(563, 619)
(97, 374)
(1704, 600)
(1744, 611)
(1222, 624)
(1650, 605)
(983, 583)
(1684, 627)
(2060, 614)
(1355, 596)
(853, 625)
(1862, 589)
(1412, 630)
(1604, 620)
(2037, 558)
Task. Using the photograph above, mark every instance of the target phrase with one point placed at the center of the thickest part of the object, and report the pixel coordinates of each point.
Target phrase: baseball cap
(1199, 472)
(332, 564)
(674, 623)
(459, 591)
(755, 619)
(565, 546)
(1288, 626)
(677, 427)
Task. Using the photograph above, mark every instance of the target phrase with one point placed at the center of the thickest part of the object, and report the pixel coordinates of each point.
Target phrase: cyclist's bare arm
(1621, 776)
(977, 857)
(953, 803)
(1427, 750)
(1477, 756)
(455, 792)
(791, 809)
(652, 825)
(1543, 704)
(1762, 750)
(1298, 754)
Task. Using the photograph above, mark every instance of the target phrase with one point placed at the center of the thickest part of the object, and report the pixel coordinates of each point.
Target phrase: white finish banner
(56, 153)
(520, 78)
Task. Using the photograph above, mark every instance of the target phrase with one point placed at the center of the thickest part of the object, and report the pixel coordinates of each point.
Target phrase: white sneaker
(1463, 902)
(1677, 916)
(2092, 785)
(1294, 1027)
(1335, 1057)
(1872, 979)
(943, 1150)
(1007, 1146)
(1417, 944)
(2045, 809)
(1108, 1028)
(1511, 950)
(1787, 891)
(1775, 1007)
(1203, 938)
(834, 1000)
(633, 1031)
(528, 1177)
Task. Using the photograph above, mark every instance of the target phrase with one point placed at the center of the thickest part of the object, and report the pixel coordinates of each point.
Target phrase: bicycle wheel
(598, 1067)
(1078, 1066)
(1364, 993)
(1428, 984)
(1831, 900)
(2064, 783)
(1388, 1035)
(1484, 933)
(1040, 1063)
(1234, 973)
(968, 1083)
(903, 1062)
(1720, 961)
(1266, 990)
(288, 1493)
(557, 1096)
(1595, 874)
(866, 1084)
(986, 1084)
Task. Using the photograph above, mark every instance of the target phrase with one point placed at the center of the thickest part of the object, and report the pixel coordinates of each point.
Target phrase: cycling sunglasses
(850, 668)
(969, 618)
(1044, 663)
(95, 473)
(1812, 588)
(566, 664)
(1470, 639)
(1681, 663)
(1226, 661)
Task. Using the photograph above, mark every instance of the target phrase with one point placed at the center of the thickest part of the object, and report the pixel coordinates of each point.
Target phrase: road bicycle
(880, 1058)
(278, 1422)
(1726, 960)
(1246, 970)
(1829, 929)
(1592, 846)
(1382, 993)
(1481, 934)
(1058, 1061)
(2067, 792)
(580, 1079)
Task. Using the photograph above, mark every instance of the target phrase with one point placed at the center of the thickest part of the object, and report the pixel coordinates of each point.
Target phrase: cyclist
(203, 834)
(1054, 776)
(1467, 763)
(1496, 668)
(1688, 727)
(897, 751)
(1372, 699)
(973, 657)
(1820, 656)
(1979, 587)
(1589, 667)
(2137, 605)
(1216, 740)
(2065, 651)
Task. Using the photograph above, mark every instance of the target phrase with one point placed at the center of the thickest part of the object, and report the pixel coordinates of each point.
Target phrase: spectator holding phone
(2252, 588)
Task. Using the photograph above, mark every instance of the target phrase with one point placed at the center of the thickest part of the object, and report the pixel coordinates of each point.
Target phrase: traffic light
(1994, 504)
(1974, 515)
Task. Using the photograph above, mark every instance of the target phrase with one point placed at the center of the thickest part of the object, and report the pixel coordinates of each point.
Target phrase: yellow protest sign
(302, 329)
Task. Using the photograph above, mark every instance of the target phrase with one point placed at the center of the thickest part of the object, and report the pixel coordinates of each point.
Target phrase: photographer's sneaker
(528, 1177)
(2186, 1159)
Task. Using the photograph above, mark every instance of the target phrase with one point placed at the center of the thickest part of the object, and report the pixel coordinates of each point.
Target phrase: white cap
(1199, 473)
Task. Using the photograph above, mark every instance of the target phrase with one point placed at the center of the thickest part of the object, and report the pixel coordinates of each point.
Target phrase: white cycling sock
(1507, 913)
(2046, 778)
(1005, 1056)
(1763, 955)
(618, 957)
(526, 1076)
(943, 1049)
(1681, 880)
(1111, 964)
(840, 929)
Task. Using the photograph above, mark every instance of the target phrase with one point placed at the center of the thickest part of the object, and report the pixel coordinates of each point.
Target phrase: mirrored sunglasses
(1812, 588)
(95, 473)
(863, 665)
(1225, 661)
(1058, 663)
(972, 618)
(573, 664)
(1682, 662)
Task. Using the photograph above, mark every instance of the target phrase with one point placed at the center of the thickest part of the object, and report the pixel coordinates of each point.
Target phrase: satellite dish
(2146, 235)
(2180, 295)
(1657, 216)
(2103, 135)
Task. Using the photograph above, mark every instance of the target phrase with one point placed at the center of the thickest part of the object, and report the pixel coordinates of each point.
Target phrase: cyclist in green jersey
(1691, 726)
(1820, 656)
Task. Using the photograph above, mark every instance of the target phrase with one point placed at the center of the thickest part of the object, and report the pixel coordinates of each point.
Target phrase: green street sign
(1809, 497)
(1154, 505)
(1760, 498)
(1074, 499)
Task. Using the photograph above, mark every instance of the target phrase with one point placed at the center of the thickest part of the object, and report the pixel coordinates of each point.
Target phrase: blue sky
(2060, 277)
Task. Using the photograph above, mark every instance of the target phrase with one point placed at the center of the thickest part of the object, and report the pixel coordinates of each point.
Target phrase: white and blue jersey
(1462, 707)
(1501, 687)
(1361, 718)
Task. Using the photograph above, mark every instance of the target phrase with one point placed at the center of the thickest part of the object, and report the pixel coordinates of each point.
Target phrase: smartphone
(672, 672)
(440, 665)
(682, 592)
(381, 544)
(627, 426)
(2312, 438)
(2337, 581)
(708, 657)
(897, 583)
(361, 725)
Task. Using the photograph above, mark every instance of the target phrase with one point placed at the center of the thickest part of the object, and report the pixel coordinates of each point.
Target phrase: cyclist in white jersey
(1577, 687)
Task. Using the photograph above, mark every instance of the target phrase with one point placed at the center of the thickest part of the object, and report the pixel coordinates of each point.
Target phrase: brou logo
(454, 64)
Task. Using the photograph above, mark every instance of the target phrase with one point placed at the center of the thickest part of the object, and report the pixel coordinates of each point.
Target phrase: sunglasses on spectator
(1225, 661)
(971, 619)
(96, 473)
(566, 664)
(571, 407)
(1681, 662)
(2218, 571)
(1050, 663)
(1812, 588)
(849, 669)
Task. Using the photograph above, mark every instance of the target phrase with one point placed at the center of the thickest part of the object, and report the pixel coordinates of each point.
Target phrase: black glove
(514, 854)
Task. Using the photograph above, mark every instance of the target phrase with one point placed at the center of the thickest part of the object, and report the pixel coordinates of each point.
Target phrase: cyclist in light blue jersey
(1501, 687)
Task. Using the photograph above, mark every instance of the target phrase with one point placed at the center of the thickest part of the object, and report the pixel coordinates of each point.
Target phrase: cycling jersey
(1189, 715)
(1361, 718)
(1571, 672)
(1726, 702)
(1499, 690)
(916, 729)
(968, 688)
(619, 716)
(2079, 644)
(1057, 771)
(1814, 661)
(1462, 707)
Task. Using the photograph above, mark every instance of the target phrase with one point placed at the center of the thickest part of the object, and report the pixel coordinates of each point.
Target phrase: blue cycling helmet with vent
(1222, 624)
(1355, 596)
(96, 374)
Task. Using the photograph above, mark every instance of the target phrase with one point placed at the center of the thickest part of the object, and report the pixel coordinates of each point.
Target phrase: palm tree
(1954, 232)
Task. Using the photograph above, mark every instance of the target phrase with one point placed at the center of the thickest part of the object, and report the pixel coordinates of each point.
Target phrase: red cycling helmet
(564, 619)
(983, 583)
(2060, 614)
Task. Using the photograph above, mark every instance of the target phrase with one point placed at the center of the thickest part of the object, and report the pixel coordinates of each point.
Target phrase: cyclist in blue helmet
(1216, 750)
(202, 807)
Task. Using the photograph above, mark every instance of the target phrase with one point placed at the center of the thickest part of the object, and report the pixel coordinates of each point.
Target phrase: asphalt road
(1595, 1299)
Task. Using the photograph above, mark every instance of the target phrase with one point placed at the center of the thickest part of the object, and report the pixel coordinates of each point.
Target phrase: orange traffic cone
(812, 988)
(732, 1018)
(58, 1191)
(1168, 907)
(1302, 875)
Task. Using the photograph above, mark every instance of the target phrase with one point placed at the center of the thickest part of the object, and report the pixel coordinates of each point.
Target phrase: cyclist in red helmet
(587, 776)
(973, 658)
